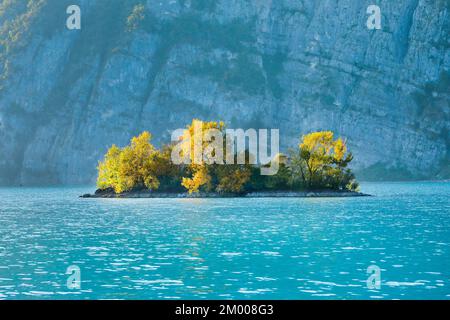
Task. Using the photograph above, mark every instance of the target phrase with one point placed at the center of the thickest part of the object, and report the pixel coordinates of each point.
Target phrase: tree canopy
(321, 161)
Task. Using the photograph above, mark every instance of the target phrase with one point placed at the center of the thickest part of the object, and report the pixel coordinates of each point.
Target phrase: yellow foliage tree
(108, 170)
(133, 166)
(340, 149)
(200, 179)
(323, 157)
(232, 179)
(320, 162)
(138, 167)
(194, 141)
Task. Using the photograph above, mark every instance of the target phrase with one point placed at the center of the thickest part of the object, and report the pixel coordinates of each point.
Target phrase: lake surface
(226, 248)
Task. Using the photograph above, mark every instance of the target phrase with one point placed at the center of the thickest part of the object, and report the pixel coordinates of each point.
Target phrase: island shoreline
(144, 194)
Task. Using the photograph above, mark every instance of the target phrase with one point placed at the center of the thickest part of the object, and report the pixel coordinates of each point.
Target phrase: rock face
(297, 65)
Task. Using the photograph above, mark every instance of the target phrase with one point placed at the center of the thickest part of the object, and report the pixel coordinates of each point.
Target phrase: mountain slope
(67, 95)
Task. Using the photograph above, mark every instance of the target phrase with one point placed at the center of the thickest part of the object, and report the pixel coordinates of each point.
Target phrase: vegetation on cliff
(320, 162)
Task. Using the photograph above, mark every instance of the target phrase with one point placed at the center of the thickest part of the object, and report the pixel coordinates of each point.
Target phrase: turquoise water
(226, 248)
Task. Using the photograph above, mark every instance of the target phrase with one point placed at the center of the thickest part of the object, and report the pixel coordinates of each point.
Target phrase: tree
(138, 165)
(169, 174)
(135, 166)
(282, 180)
(232, 178)
(322, 162)
(200, 179)
(108, 170)
(195, 140)
(315, 150)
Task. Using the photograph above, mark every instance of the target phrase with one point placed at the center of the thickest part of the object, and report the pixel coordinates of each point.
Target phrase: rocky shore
(274, 194)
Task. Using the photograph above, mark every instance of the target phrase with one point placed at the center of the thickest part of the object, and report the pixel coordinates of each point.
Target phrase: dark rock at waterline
(109, 193)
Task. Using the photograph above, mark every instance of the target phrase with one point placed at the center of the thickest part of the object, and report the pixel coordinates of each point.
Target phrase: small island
(318, 167)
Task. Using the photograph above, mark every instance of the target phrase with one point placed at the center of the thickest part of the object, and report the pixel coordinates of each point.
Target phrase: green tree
(232, 178)
(283, 179)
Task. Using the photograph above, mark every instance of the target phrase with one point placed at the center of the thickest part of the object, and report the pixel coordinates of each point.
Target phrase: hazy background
(300, 66)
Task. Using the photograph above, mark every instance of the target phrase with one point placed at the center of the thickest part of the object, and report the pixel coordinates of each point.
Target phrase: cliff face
(67, 95)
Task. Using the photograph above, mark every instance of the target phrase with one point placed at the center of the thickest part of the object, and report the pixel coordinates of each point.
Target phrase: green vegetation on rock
(319, 163)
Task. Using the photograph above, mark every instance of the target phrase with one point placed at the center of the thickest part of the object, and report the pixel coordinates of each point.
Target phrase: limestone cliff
(297, 65)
